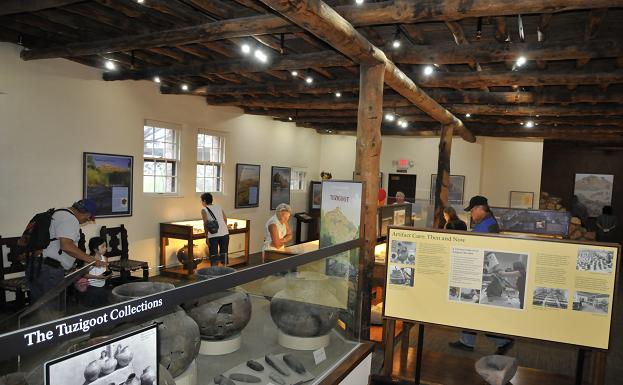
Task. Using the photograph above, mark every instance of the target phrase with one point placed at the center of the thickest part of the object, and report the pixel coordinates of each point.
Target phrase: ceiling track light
(294, 73)
(309, 80)
(396, 42)
(390, 117)
(358, 2)
(338, 94)
(110, 65)
(468, 115)
(428, 70)
(157, 79)
(260, 55)
(184, 87)
(245, 48)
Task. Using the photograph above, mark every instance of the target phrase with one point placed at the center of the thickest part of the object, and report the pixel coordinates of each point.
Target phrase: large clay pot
(178, 334)
(198, 255)
(220, 315)
(292, 311)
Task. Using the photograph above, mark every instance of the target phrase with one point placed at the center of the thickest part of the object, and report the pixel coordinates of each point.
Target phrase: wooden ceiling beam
(518, 78)
(386, 12)
(501, 32)
(321, 20)
(11, 7)
(541, 32)
(285, 62)
(595, 17)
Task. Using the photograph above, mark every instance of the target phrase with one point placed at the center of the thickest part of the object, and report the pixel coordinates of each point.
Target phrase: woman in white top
(278, 231)
(218, 242)
(96, 291)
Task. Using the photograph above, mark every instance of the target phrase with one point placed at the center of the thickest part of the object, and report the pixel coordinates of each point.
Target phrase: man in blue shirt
(484, 222)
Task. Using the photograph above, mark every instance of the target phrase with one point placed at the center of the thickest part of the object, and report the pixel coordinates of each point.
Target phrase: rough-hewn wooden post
(367, 167)
(443, 172)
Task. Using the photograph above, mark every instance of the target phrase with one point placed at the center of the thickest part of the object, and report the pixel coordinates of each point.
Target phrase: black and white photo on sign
(129, 360)
(598, 261)
(399, 217)
(504, 279)
(550, 297)
(470, 295)
(591, 302)
(594, 191)
(454, 293)
(401, 276)
(402, 252)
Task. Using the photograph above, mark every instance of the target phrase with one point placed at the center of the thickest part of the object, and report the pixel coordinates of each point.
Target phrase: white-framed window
(298, 179)
(160, 157)
(210, 161)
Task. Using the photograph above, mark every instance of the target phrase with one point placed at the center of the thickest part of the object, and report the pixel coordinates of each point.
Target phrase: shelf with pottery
(191, 230)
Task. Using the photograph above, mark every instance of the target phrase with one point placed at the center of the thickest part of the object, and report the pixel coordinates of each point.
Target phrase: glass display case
(283, 322)
(191, 230)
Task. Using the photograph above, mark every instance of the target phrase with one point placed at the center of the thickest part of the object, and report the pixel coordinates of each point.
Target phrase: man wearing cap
(484, 222)
(63, 250)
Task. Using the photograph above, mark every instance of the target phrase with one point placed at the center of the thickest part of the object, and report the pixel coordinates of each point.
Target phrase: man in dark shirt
(484, 222)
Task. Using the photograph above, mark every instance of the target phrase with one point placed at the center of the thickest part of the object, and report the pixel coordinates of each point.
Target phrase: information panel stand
(548, 290)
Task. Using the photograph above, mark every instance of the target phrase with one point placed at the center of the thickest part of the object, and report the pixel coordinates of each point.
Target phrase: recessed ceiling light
(184, 87)
(294, 73)
(521, 60)
(358, 2)
(405, 124)
(390, 117)
(246, 49)
(468, 115)
(338, 94)
(396, 44)
(529, 124)
(140, 1)
(261, 56)
(428, 70)
(309, 80)
(289, 118)
(110, 65)
(157, 79)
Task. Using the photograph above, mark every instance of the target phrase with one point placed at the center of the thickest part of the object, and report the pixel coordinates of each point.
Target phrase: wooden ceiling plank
(595, 18)
(12, 7)
(387, 12)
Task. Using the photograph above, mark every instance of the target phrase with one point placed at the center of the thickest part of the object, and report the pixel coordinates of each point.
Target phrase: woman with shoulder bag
(217, 233)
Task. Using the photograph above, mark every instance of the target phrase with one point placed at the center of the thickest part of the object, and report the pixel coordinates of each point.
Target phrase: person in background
(453, 222)
(484, 222)
(218, 243)
(48, 271)
(96, 292)
(606, 224)
(278, 231)
(400, 198)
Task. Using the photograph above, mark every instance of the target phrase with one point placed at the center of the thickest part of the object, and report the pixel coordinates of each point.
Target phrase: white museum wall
(510, 165)
(54, 110)
(338, 157)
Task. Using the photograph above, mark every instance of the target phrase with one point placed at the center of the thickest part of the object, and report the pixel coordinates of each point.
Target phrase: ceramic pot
(123, 356)
(132, 380)
(223, 314)
(93, 370)
(178, 334)
(109, 364)
(198, 255)
(294, 312)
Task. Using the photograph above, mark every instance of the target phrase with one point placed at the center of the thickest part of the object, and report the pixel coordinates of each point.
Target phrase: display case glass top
(197, 224)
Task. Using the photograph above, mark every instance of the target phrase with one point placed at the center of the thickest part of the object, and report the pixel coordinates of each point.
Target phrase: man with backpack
(54, 252)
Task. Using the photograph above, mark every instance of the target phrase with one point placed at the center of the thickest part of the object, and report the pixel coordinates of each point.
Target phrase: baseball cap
(86, 206)
(477, 200)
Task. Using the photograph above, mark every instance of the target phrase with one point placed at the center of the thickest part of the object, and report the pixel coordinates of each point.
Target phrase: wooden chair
(18, 285)
(117, 241)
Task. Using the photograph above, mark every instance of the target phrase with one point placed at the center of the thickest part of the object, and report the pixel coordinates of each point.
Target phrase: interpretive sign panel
(545, 289)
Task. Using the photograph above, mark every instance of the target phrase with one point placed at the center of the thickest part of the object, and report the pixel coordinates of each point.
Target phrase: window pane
(158, 149)
(208, 141)
(148, 149)
(159, 134)
(160, 168)
(148, 168)
(170, 168)
(170, 185)
(168, 151)
(200, 171)
(200, 140)
(169, 135)
(148, 133)
(199, 185)
(148, 184)
(210, 184)
(209, 171)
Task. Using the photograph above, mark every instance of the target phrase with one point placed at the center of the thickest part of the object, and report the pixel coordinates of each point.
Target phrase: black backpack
(212, 224)
(36, 236)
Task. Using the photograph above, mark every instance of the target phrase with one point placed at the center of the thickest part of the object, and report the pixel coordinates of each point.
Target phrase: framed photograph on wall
(315, 195)
(107, 180)
(401, 182)
(521, 200)
(594, 191)
(247, 185)
(455, 189)
(279, 186)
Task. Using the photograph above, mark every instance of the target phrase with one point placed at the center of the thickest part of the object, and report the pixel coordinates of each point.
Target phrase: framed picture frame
(247, 185)
(315, 196)
(456, 189)
(521, 199)
(401, 182)
(279, 186)
(594, 191)
(107, 180)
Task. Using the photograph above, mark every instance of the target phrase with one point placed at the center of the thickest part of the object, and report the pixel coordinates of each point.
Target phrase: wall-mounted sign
(403, 164)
